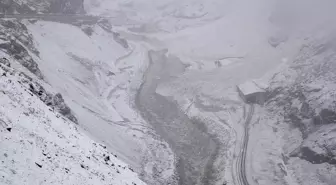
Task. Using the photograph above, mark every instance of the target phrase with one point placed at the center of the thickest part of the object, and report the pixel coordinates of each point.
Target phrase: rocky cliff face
(42, 6)
(18, 43)
(38, 135)
(306, 95)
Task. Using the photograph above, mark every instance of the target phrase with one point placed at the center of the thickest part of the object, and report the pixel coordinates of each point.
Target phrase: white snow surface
(97, 77)
(223, 42)
(43, 147)
(74, 64)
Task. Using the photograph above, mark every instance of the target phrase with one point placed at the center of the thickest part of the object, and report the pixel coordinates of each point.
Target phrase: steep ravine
(193, 147)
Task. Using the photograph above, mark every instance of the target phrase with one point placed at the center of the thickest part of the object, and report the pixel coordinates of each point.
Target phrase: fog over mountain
(193, 92)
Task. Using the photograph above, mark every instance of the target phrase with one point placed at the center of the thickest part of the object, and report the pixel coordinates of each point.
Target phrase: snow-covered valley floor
(154, 84)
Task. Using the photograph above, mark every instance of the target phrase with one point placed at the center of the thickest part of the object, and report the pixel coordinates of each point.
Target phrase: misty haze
(169, 92)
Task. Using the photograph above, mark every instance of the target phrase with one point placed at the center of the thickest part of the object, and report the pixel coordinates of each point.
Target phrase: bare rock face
(305, 95)
(17, 42)
(56, 102)
(319, 147)
(11, 6)
(63, 108)
(67, 6)
(42, 6)
(5, 62)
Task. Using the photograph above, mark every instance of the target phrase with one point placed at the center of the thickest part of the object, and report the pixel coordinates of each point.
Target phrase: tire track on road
(241, 160)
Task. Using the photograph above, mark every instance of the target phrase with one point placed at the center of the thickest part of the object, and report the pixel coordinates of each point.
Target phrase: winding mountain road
(195, 148)
(241, 160)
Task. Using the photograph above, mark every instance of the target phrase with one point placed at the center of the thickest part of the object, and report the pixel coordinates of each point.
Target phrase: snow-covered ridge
(56, 102)
(97, 76)
(39, 145)
(304, 99)
(223, 43)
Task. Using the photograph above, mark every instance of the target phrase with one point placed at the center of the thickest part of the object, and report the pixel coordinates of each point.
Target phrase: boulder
(5, 62)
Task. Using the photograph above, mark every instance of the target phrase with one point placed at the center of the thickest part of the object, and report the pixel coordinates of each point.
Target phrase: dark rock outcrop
(55, 101)
(39, 165)
(12, 6)
(325, 117)
(67, 6)
(42, 6)
(123, 42)
(88, 30)
(304, 95)
(5, 62)
(16, 50)
(315, 158)
(17, 42)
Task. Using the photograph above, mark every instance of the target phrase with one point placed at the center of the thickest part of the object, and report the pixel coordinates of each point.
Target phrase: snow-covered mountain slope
(18, 43)
(80, 68)
(295, 129)
(255, 45)
(98, 69)
(40, 146)
(236, 32)
(152, 16)
(97, 76)
(304, 93)
(96, 72)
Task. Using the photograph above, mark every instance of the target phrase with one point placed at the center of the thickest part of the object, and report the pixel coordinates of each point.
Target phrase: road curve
(241, 160)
